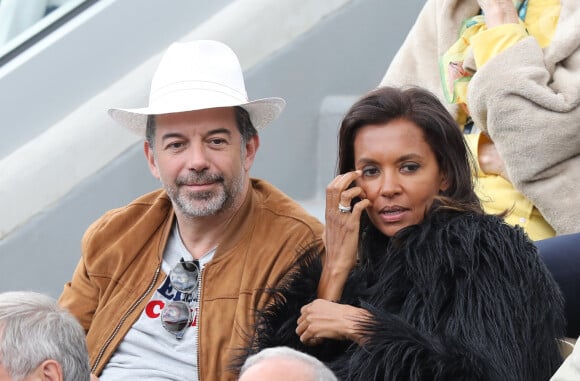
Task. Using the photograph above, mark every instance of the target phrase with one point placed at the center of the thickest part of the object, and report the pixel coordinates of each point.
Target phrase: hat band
(202, 86)
(191, 99)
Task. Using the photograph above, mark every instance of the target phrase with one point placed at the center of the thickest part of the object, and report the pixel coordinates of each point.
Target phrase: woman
(416, 283)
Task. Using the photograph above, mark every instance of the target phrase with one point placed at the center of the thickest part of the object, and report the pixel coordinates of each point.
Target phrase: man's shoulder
(271, 200)
(145, 212)
(147, 203)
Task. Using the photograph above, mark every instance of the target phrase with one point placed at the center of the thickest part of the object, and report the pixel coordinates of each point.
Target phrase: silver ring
(343, 209)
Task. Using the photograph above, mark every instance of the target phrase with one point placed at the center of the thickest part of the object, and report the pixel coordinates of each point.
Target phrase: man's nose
(197, 157)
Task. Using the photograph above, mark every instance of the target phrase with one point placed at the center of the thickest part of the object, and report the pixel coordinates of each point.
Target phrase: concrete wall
(344, 55)
(84, 56)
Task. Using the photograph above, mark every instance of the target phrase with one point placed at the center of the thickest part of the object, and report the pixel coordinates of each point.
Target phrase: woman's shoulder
(469, 232)
(464, 221)
(482, 246)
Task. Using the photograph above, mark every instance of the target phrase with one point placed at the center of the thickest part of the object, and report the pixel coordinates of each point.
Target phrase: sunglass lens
(176, 317)
(184, 277)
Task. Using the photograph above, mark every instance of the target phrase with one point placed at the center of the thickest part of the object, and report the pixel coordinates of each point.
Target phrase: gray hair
(320, 371)
(245, 126)
(33, 329)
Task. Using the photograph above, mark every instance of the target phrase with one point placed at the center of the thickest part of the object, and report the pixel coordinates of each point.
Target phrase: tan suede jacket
(121, 267)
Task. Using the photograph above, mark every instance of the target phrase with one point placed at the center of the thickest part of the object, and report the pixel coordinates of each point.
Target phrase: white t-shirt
(148, 351)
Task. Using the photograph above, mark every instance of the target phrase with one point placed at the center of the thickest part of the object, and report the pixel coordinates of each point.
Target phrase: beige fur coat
(527, 99)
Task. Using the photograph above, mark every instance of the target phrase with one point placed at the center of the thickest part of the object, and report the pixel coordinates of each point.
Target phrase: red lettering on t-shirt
(154, 308)
(194, 322)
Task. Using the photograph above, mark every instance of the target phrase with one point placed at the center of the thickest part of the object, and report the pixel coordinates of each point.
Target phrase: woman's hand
(341, 233)
(498, 12)
(342, 228)
(325, 319)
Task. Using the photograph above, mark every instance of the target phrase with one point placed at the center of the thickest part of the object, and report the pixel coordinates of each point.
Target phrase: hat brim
(262, 112)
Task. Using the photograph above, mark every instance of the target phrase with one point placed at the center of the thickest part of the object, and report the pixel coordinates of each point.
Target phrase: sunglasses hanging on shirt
(177, 315)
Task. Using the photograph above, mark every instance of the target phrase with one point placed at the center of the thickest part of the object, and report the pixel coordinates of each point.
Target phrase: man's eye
(174, 145)
(217, 141)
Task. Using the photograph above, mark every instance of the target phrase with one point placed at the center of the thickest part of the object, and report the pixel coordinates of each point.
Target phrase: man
(167, 286)
(284, 364)
(39, 340)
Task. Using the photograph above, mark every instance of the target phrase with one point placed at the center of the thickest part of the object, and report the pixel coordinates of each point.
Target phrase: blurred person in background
(39, 340)
(284, 364)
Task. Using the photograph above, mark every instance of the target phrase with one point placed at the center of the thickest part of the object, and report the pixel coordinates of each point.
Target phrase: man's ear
(50, 370)
(150, 159)
(252, 146)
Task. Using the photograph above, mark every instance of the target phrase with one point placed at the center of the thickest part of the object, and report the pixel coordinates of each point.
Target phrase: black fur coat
(458, 297)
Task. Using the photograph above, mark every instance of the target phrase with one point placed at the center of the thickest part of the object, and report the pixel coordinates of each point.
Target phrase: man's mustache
(199, 178)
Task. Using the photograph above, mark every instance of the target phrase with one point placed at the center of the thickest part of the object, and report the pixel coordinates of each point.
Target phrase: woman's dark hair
(440, 130)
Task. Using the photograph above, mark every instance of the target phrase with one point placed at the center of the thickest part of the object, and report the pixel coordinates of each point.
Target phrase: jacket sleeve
(79, 295)
(494, 314)
(436, 28)
(527, 99)
(397, 350)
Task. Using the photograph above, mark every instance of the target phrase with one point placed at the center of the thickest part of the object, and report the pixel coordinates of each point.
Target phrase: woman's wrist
(354, 320)
(331, 284)
(336, 270)
(338, 264)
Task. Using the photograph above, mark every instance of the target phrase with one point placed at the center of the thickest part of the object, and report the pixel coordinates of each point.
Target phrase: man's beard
(205, 203)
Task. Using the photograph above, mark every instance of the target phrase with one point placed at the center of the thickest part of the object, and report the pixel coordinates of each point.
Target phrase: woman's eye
(410, 167)
(369, 171)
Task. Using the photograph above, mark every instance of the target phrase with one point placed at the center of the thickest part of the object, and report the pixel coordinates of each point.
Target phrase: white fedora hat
(198, 75)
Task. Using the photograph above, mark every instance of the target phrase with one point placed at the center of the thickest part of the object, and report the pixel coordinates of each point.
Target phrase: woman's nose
(390, 185)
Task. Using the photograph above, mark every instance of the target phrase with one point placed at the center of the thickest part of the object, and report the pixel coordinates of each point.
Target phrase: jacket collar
(239, 227)
(242, 223)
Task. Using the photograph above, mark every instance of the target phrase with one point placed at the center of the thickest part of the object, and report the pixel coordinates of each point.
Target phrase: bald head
(278, 368)
(284, 364)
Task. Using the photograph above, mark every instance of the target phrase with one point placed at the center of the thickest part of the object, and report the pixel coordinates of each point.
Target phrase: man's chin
(201, 207)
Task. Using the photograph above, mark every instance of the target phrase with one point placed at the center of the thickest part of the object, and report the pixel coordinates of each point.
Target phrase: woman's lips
(393, 214)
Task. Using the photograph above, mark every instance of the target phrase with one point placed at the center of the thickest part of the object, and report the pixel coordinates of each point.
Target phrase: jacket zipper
(122, 321)
(198, 317)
